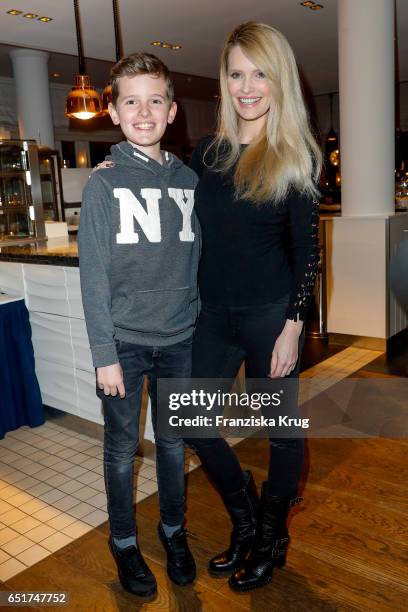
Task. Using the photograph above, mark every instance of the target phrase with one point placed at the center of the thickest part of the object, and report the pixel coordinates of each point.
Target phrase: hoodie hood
(124, 154)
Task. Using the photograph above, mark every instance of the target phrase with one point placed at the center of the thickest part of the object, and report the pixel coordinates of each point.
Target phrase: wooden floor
(348, 549)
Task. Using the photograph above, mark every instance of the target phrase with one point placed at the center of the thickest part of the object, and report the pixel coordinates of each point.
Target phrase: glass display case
(51, 184)
(21, 208)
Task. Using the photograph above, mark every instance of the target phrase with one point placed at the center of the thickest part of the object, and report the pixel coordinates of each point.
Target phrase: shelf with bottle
(13, 207)
(13, 156)
(15, 190)
(21, 209)
(15, 225)
(401, 188)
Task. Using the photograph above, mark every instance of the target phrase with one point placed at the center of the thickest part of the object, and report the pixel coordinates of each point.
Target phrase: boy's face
(143, 111)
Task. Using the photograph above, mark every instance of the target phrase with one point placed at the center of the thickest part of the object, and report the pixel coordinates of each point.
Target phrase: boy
(139, 248)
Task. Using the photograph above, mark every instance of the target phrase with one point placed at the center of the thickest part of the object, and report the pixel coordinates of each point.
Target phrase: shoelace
(178, 545)
(134, 561)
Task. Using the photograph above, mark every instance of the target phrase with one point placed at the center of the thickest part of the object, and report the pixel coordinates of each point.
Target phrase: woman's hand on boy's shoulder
(102, 165)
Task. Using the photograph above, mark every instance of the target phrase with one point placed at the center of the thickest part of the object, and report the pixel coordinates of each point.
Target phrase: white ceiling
(200, 26)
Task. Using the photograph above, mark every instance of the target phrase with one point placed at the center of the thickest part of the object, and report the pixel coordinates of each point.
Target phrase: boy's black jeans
(121, 435)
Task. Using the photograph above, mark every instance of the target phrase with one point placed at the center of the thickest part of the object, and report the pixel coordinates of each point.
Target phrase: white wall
(356, 276)
(73, 183)
(359, 300)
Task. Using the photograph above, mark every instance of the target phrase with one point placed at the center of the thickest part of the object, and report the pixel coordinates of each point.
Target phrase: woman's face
(249, 88)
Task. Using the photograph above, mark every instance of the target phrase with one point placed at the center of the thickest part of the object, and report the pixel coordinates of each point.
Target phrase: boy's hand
(110, 380)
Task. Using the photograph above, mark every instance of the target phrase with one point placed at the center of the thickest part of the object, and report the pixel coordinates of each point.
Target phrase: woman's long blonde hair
(285, 154)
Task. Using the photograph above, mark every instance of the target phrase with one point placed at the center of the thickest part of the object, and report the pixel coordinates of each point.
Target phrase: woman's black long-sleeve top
(254, 254)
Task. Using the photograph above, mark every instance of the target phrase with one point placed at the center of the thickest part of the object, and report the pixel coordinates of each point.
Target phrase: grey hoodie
(138, 253)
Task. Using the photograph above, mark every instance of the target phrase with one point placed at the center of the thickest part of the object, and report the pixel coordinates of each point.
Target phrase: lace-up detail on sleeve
(304, 226)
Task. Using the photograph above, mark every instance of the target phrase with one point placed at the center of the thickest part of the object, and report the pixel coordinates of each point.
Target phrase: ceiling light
(307, 4)
(316, 7)
(56, 75)
(14, 12)
(166, 45)
(30, 16)
(45, 19)
(83, 101)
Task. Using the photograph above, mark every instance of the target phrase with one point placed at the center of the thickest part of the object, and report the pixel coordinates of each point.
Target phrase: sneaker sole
(127, 588)
(180, 582)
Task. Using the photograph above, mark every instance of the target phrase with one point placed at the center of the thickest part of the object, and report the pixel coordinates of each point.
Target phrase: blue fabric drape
(20, 397)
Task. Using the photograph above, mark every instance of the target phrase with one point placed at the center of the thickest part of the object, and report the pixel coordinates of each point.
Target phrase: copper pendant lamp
(83, 101)
(107, 92)
(331, 136)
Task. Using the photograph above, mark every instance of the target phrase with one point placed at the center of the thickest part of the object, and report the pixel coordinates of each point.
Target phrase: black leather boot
(271, 543)
(181, 567)
(242, 507)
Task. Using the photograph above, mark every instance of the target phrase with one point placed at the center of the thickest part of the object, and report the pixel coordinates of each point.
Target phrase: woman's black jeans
(224, 337)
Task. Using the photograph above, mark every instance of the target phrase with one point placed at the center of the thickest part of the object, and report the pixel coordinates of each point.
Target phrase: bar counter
(47, 276)
(54, 252)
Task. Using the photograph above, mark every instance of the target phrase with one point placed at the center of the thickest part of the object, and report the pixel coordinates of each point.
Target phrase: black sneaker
(181, 567)
(134, 574)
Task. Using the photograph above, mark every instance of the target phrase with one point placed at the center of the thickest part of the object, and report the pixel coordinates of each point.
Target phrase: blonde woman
(256, 202)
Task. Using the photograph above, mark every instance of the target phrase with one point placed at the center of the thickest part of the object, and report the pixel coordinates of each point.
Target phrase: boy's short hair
(140, 63)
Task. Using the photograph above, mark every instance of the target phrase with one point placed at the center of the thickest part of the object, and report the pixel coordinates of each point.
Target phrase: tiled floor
(51, 479)
(337, 367)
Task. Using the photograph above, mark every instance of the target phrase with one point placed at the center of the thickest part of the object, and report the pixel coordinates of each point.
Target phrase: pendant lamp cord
(331, 95)
(118, 38)
(81, 59)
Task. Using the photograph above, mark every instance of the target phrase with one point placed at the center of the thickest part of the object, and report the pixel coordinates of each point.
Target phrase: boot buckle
(279, 547)
(295, 501)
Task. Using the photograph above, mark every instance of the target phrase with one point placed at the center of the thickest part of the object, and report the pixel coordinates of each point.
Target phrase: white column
(366, 79)
(33, 95)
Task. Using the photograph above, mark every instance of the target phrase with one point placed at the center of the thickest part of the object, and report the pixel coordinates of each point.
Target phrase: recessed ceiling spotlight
(56, 75)
(14, 12)
(316, 7)
(30, 16)
(166, 45)
(45, 19)
(307, 4)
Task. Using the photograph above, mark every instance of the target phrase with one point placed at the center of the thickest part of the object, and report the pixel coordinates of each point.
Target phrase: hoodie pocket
(162, 312)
